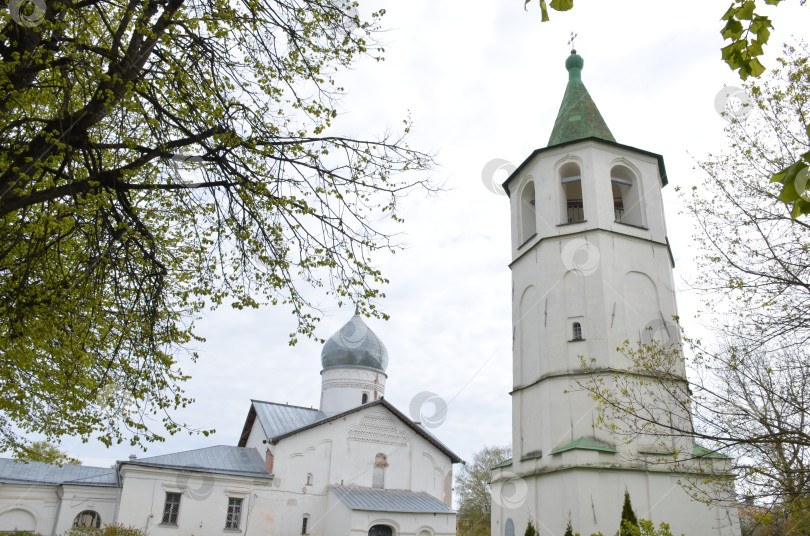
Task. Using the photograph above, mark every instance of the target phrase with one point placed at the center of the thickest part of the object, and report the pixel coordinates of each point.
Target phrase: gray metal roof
(38, 473)
(279, 419)
(223, 459)
(390, 500)
(355, 345)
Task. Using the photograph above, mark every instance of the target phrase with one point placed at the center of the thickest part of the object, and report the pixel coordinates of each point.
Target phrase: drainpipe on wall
(60, 492)
(118, 494)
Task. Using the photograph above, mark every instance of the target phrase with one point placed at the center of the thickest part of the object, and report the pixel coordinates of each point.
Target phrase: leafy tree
(474, 492)
(752, 253)
(161, 156)
(628, 525)
(747, 400)
(530, 529)
(107, 530)
(42, 451)
(569, 529)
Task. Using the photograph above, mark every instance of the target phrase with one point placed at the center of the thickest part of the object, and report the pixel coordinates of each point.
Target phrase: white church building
(356, 466)
(591, 268)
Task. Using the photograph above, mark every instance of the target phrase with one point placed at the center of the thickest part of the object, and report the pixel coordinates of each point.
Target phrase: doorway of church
(380, 530)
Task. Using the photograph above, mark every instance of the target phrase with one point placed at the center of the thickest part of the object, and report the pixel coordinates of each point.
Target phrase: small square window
(234, 517)
(171, 509)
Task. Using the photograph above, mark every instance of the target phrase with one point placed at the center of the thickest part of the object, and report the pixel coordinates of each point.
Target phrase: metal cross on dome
(571, 42)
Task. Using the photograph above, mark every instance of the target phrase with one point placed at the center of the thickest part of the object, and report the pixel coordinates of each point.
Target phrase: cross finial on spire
(571, 42)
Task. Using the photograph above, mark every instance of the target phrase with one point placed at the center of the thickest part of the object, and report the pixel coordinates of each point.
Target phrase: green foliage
(42, 451)
(748, 31)
(628, 526)
(158, 158)
(530, 529)
(106, 530)
(474, 492)
(569, 530)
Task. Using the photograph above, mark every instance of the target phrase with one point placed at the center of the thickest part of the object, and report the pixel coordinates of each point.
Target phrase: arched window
(364, 399)
(309, 479)
(305, 524)
(378, 474)
(577, 331)
(87, 519)
(509, 527)
(528, 215)
(627, 207)
(571, 180)
(380, 530)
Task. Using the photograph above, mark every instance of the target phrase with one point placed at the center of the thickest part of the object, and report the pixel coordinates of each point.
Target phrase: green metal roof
(505, 463)
(578, 117)
(699, 451)
(583, 443)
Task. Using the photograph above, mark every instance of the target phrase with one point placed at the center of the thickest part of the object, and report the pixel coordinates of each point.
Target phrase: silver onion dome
(355, 345)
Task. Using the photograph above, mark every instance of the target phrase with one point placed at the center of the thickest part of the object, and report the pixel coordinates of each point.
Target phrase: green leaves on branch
(557, 5)
(794, 184)
(748, 33)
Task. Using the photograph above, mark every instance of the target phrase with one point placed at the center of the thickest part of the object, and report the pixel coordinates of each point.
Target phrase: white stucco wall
(343, 452)
(203, 504)
(593, 499)
(342, 388)
(49, 509)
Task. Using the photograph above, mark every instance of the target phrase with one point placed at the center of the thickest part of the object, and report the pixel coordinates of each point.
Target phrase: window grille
(618, 208)
(234, 516)
(577, 331)
(88, 519)
(171, 508)
(576, 211)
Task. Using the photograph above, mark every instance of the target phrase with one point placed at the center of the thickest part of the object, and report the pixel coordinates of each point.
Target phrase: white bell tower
(591, 268)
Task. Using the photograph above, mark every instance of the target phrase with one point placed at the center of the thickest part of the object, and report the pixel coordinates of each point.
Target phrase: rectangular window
(171, 508)
(234, 516)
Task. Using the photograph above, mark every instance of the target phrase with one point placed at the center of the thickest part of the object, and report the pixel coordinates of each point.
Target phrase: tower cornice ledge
(532, 246)
(599, 371)
(606, 467)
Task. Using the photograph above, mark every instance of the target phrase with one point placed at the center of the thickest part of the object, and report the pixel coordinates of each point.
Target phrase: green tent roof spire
(578, 117)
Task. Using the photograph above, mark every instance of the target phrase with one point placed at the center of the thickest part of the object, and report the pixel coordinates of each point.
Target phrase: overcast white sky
(481, 80)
